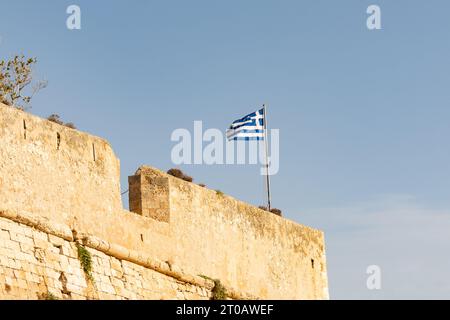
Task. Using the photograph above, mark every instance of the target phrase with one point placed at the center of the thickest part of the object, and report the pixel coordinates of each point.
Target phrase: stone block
(41, 243)
(56, 250)
(74, 288)
(52, 257)
(4, 235)
(56, 241)
(14, 264)
(6, 252)
(78, 296)
(3, 260)
(64, 262)
(22, 284)
(13, 245)
(27, 231)
(74, 262)
(67, 250)
(40, 235)
(27, 248)
(5, 224)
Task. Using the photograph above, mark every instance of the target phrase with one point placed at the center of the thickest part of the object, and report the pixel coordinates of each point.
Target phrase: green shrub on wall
(219, 291)
(85, 260)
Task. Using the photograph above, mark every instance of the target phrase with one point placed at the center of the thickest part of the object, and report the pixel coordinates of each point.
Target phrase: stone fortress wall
(60, 187)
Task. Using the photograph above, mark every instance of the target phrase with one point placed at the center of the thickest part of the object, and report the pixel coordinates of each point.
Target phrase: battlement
(249, 248)
(53, 170)
(57, 176)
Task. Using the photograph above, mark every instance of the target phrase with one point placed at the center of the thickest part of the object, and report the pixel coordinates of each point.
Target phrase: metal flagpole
(266, 142)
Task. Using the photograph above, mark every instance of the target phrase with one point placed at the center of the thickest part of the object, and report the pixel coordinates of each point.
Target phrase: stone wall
(55, 171)
(249, 249)
(66, 181)
(41, 261)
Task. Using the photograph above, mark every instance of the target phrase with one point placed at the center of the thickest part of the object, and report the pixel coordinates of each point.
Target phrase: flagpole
(266, 142)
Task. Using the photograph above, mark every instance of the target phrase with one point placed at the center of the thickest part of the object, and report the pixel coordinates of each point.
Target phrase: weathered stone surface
(55, 193)
(63, 277)
(250, 250)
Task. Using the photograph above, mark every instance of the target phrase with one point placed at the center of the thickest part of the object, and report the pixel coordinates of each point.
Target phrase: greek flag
(250, 127)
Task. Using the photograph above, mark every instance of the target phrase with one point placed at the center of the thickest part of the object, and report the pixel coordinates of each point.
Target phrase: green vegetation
(219, 291)
(48, 296)
(85, 260)
(15, 77)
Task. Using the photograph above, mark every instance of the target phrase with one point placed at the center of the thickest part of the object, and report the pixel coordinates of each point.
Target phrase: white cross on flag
(250, 127)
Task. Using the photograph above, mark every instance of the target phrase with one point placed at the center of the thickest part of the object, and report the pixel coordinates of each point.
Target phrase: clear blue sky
(363, 115)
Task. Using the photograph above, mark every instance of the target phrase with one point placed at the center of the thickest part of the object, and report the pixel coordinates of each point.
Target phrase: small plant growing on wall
(47, 296)
(70, 125)
(85, 260)
(275, 211)
(56, 119)
(179, 174)
(16, 77)
(219, 291)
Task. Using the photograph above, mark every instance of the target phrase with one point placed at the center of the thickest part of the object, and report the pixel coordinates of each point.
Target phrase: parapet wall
(55, 171)
(64, 177)
(247, 248)
(40, 260)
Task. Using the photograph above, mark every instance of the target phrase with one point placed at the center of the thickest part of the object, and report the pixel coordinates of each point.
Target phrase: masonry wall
(36, 264)
(249, 249)
(56, 176)
(55, 171)
(68, 177)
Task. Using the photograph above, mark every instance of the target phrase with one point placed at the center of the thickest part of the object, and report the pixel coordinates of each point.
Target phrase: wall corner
(149, 196)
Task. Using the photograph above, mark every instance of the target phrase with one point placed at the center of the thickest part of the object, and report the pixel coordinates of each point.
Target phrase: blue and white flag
(250, 127)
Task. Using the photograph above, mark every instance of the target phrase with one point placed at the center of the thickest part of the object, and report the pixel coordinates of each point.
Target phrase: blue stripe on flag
(247, 138)
(251, 131)
(246, 118)
(251, 123)
(249, 127)
(231, 133)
